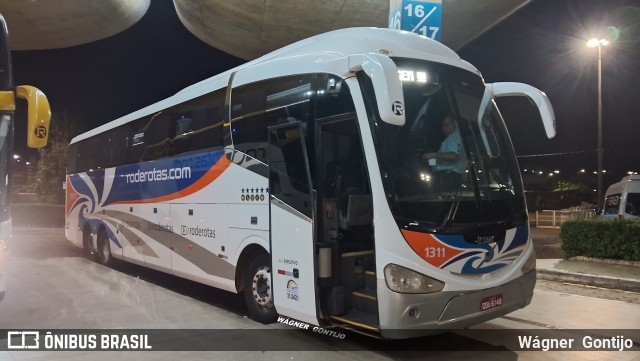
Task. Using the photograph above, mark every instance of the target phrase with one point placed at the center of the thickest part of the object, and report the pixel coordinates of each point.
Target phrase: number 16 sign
(421, 17)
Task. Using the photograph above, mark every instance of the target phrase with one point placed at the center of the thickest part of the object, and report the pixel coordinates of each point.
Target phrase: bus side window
(199, 123)
(114, 148)
(72, 159)
(259, 105)
(88, 159)
(158, 133)
(135, 141)
(334, 97)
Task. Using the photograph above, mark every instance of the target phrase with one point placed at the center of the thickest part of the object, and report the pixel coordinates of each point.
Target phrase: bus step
(353, 266)
(358, 319)
(369, 253)
(370, 280)
(365, 300)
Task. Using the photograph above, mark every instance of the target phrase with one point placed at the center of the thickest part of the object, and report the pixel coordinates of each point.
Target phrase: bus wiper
(497, 178)
(451, 212)
(453, 208)
(476, 186)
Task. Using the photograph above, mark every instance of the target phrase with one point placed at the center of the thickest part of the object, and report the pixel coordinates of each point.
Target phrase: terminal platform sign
(416, 16)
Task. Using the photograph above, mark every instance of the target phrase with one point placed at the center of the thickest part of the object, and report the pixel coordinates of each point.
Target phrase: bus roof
(337, 43)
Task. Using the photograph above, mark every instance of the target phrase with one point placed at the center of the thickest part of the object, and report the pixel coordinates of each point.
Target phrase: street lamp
(599, 43)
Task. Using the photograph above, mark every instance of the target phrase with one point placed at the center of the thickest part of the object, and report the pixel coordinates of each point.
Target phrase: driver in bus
(448, 161)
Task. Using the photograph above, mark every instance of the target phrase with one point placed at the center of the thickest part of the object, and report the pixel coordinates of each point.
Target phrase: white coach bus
(298, 179)
(38, 118)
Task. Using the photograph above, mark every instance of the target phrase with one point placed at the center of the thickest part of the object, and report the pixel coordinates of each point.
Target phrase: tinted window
(156, 130)
(612, 204)
(632, 206)
(288, 168)
(259, 105)
(334, 97)
(191, 126)
(72, 158)
(114, 144)
(136, 142)
(88, 157)
(198, 123)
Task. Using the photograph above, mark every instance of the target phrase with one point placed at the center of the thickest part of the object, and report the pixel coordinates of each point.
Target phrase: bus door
(292, 227)
(344, 223)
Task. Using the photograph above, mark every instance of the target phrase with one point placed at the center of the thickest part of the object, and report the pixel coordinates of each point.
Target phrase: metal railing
(554, 219)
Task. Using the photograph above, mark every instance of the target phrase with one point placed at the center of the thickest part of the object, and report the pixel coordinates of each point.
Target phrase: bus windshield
(451, 166)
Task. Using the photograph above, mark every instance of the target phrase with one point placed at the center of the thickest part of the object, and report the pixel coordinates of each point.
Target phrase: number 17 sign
(417, 16)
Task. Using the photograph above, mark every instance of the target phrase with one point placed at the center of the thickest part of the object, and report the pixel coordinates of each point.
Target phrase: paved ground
(53, 286)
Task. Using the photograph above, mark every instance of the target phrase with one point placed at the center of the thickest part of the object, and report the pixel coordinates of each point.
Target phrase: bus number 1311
(434, 252)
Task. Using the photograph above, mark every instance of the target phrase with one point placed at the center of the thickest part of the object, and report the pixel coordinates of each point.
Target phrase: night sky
(543, 44)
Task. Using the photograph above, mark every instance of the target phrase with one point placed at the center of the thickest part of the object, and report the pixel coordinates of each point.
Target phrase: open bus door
(292, 240)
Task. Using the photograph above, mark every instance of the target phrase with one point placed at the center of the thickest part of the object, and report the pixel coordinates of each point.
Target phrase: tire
(258, 291)
(87, 245)
(104, 249)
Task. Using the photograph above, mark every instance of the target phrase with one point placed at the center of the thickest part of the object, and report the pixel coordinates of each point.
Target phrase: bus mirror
(38, 115)
(387, 86)
(538, 97)
(7, 100)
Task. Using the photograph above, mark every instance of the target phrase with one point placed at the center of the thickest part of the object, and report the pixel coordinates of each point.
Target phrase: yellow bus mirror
(38, 115)
(7, 101)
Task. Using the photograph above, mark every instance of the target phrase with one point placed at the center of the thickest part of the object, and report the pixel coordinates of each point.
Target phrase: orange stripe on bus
(430, 248)
(71, 195)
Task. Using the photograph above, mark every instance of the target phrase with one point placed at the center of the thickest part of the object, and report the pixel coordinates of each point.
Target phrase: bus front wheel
(258, 291)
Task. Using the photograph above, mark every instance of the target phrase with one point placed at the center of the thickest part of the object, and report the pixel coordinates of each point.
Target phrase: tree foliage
(52, 163)
(565, 185)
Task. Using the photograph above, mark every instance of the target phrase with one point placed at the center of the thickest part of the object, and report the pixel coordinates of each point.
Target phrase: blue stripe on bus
(519, 239)
(458, 241)
(97, 178)
(83, 189)
(460, 257)
(469, 269)
(112, 236)
(137, 182)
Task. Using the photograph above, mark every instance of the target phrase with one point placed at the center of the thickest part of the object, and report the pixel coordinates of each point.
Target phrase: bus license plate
(491, 302)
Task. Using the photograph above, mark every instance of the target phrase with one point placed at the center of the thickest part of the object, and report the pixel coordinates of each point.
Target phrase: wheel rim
(261, 288)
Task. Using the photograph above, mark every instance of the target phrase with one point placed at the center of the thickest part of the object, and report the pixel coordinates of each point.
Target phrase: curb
(590, 280)
(607, 261)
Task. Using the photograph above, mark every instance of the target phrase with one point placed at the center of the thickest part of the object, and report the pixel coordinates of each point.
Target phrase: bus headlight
(3, 246)
(404, 280)
(530, 264)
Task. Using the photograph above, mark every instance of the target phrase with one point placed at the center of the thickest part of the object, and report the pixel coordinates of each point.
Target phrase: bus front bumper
(407, 315)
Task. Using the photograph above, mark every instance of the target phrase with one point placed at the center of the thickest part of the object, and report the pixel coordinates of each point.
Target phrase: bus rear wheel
(104, 249)
(258, 291)
(87, 244)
